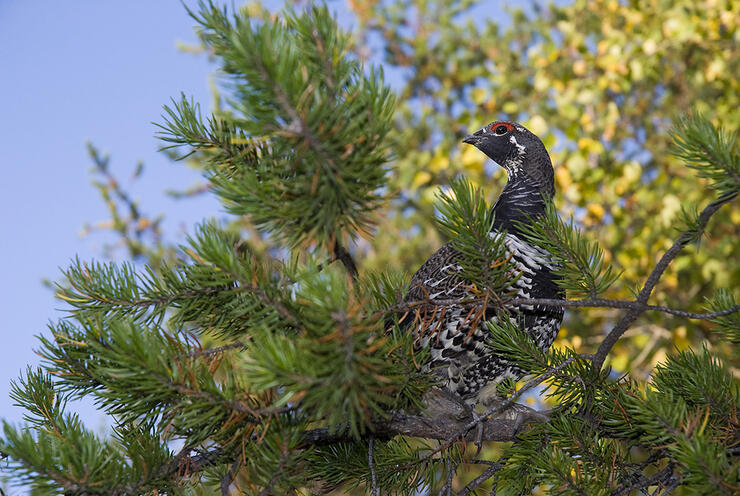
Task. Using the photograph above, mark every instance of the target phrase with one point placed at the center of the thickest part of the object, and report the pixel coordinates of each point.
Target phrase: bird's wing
(438, 278)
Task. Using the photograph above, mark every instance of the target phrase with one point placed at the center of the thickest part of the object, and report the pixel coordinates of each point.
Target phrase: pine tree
(284, 371)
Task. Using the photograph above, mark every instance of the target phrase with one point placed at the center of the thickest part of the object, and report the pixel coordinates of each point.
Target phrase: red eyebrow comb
(508, 126)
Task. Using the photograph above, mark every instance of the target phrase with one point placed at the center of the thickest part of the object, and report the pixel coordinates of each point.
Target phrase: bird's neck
(520, 199)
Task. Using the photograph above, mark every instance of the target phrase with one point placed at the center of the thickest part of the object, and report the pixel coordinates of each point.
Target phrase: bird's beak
(473, 139)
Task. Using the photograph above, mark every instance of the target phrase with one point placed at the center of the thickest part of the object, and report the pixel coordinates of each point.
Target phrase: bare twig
(487, 474)
(656, 478)
(673, 484)
(341, 254)
(183, 465)
(450, 477)
(551, 302)
(215, 351)
(626, 321)
(229, 477)
(494, 487)
(373, 478)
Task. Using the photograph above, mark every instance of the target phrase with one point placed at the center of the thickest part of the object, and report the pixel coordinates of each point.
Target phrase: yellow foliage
(620, 362)
(472, 159)
(586, 119)
(421, 177)
(631, 171)
(510, 107)
(735, 216)
(671, 207)
(579, 67)
(595, 210)
(439, 163)
(577, 165)
(658, 357)
(478, 95)
(590, 145)
(537, 125)
(649, 46)
(715, 69)
(679, 338)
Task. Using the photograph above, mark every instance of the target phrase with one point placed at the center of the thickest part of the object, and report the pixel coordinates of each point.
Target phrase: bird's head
(517, 150)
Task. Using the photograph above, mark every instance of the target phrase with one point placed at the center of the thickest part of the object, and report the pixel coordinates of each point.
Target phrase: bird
(460, 357)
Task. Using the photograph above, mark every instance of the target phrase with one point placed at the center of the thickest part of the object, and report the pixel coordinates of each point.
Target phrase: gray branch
(626, 321)
(441, 428)
(586, 303)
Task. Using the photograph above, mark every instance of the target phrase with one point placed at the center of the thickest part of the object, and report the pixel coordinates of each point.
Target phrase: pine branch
(442, 428)
(113, 362)
(215, 351)
(710, 150)
(62, 453)
(729, 324)
(185, 464)
(221, 141)
(181, 466)
(227, 290)
(302, 148)
(451, 470)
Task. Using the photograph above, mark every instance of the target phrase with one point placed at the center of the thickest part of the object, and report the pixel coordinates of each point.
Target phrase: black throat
(520, 199)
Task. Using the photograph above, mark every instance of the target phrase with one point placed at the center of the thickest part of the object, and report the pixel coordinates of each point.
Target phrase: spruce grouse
(460, 356)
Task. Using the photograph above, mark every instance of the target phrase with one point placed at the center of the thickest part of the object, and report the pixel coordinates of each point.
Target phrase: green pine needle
(302, 148)
(467, 220)
(729, 325)
(581, 267)
(710, 150)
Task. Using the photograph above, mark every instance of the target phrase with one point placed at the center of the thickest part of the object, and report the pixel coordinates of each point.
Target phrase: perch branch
(626, 321)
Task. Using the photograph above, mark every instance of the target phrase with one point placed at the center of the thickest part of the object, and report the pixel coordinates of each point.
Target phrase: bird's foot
(443, 402)
(451, 405)
(519, 414)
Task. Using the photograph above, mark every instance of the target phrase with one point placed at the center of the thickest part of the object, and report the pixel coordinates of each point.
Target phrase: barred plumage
(455, 336)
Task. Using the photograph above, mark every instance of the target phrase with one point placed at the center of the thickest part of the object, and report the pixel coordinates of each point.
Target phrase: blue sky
(74, 72)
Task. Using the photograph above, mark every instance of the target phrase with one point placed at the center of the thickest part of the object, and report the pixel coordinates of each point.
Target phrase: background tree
(601, 83)
(264, 344)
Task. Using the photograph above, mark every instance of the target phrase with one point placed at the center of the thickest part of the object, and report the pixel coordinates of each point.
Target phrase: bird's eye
(500, 130)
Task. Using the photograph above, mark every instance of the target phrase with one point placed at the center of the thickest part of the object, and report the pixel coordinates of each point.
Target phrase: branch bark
(441, 428)
(487, 474)
(341, 254)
